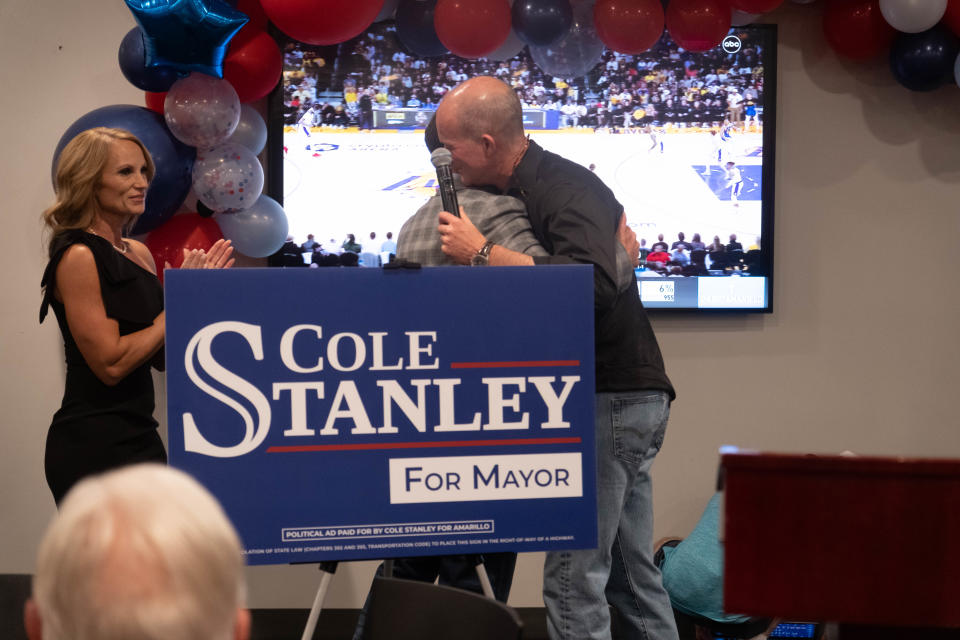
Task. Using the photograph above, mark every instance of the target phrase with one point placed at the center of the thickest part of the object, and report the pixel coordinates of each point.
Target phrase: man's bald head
(481, 122)
(485, 105)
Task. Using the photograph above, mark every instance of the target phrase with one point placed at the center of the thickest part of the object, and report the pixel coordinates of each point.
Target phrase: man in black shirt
(578, 220)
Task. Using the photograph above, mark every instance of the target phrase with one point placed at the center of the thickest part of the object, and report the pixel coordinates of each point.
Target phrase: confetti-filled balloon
(201, 110)
(227, 178)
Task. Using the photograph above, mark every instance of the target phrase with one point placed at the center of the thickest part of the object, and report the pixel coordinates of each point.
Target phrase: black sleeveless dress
(99, 427)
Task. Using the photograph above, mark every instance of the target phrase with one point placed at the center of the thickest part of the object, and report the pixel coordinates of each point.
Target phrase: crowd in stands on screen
(694, 258)
(657, 88)
(331, 253)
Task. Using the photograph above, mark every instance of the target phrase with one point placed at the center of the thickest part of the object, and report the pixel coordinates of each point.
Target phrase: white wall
(860, 353)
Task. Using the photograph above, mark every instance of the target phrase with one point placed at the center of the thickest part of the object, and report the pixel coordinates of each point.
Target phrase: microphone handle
(448, 193)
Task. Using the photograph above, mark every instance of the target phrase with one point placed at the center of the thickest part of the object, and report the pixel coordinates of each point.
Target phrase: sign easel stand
(328, 568)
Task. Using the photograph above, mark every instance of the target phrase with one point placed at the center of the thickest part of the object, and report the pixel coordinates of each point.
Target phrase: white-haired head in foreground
(141, 553)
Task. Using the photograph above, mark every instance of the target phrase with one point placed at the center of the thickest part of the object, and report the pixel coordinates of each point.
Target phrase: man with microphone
(503, 219)
(578, 220)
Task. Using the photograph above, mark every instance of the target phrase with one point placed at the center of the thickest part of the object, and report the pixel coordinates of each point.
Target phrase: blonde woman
(109, 304)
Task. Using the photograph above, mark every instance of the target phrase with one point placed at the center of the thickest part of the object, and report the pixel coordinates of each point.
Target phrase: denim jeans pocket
(639, 421)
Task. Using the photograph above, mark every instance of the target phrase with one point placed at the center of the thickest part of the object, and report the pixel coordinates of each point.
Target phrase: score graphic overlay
(343, 414)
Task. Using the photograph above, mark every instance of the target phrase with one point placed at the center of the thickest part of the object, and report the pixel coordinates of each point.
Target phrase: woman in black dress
(109, 304)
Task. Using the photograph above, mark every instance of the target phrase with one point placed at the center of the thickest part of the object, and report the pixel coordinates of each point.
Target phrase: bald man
(139, 553)
(577, 219)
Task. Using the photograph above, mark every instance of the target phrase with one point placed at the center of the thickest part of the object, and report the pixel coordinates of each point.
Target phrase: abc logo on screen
(731, 44)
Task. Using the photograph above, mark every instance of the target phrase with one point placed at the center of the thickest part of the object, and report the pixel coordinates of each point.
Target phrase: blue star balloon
(188, 35)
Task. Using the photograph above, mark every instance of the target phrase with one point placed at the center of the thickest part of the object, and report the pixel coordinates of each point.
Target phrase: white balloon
(251, 131)
(740, 18)
(201, 111)
(912, 16)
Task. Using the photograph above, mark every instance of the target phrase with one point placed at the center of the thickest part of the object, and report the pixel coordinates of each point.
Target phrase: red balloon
(628, 26)
(856, 28)
(472, 28)
(755, 6)
(182, 231)
(698, 25)
(154, 101)
(952, 17)
(322, 21)
(253, 67)
(257, 23)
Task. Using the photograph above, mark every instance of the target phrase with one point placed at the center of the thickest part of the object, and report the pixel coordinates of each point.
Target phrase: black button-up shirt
(575, 216)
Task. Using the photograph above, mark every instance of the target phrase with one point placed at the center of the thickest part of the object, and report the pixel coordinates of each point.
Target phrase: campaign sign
(343, 414)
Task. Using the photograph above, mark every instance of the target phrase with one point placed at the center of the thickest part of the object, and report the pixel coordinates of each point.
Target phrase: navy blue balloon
(133, 64)
(924, 61)
(415, 28)
(541, 22)
(188, 35)
(173, 159)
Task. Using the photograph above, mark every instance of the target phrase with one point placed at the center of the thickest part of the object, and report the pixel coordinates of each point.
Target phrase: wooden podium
(871, 542)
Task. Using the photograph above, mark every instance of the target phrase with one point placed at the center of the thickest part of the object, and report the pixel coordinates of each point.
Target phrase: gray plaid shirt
(501, 219)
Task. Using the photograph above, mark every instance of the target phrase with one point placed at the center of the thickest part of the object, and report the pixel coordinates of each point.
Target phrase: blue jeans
(578, 585)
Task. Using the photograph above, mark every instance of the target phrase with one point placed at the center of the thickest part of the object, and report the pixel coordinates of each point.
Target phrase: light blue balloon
(251, 131)
(258, 231)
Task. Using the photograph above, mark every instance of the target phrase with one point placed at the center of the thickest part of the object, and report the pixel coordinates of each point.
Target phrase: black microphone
(442, 159)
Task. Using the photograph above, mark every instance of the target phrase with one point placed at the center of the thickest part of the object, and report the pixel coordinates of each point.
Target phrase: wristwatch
(482, 257)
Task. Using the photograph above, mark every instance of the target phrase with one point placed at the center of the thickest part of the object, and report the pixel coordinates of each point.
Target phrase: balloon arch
(200, 63)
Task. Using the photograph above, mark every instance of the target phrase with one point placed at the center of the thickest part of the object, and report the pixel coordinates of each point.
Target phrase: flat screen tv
(685, 141)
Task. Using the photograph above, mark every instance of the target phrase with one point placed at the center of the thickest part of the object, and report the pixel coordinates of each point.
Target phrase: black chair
(14, 591)
(412, 610)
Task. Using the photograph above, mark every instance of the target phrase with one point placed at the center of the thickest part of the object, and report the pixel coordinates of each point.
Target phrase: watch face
(478, 260)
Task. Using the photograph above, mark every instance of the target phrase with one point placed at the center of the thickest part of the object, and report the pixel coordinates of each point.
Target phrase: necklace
(516, 163)
(122, 248)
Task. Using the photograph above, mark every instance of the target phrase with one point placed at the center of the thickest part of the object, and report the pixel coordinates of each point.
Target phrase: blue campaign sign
(343, 414)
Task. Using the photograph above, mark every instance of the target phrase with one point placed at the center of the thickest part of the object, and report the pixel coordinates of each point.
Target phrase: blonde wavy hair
(79, 169)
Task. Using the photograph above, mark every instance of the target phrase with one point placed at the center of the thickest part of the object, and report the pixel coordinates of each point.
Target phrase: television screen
(684, 140)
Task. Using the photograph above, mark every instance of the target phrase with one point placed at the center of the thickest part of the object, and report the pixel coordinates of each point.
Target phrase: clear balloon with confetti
(227, 177)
